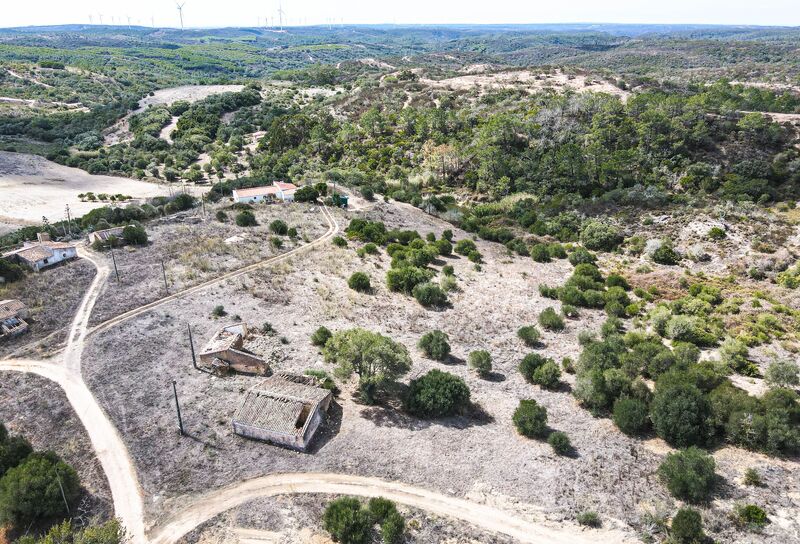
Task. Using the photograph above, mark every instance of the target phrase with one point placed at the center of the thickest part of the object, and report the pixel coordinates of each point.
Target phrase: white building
(268, 193)
(42, 253)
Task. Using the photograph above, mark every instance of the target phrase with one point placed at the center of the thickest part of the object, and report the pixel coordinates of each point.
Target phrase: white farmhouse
(42, 253)
(268, 193)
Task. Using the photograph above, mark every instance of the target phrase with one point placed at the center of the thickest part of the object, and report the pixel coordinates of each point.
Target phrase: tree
(279, 227)
(13, 449)
(30, 492)
(481, 362)
(376, 359)
(631, 416)
(321, 336)
(306, 193)
(782, 374)
(406, 278)
(687, 527)
(435, 345)
(10, 272)
(547, 375)
(437, 394)
(359, 281)
(347, 521)
(530, 419)
(135, 234)
(679, 413)
(600, 236)
(429, 295)
(689, 474)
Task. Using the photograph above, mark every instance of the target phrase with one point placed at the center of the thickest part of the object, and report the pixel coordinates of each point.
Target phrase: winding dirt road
(65, 370)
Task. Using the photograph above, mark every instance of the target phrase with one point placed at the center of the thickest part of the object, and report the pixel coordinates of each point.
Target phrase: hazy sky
(206, 13)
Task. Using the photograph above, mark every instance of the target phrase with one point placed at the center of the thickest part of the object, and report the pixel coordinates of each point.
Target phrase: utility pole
(191, 346)
(177, 406)
(164, 273)
(203, 202)
(69, 221)
(114, 260)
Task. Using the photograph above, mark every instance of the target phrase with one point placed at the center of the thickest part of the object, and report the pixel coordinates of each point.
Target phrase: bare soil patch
(38, 409)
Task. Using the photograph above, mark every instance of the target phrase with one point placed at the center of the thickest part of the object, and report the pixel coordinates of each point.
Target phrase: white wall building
(268, 193)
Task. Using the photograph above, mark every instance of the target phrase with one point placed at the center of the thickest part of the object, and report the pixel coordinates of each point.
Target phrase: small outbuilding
(106, 235)
(268, 193)
(13, 314)
(285, 410)
(225, 353)
(43, 253)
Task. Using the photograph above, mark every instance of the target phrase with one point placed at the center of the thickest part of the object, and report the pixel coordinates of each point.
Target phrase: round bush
(530, 419)
(540, 253)
(689, 474)
(246, 219)
(751, 516)
(560, 443)
(550, 320)
(631, 416)
(321, 336)
(279, 227)
(547, 375)
(435, 345)
(393, 528)
(600, 236)
(580, 256)
(529, 335)
(437, 394)
(429, 295)
(338, 241)
(359, 281)
(665, 255)
(529, 364)
(481, 362)
(687, 526)
(679, 413)
(347, 521)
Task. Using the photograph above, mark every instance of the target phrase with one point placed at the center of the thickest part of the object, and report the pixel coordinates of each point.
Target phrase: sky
(219, 13)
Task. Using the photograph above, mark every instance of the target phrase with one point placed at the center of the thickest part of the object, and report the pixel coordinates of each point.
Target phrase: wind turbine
(129, 21)
(281, 13)
(180, 12)
(91, 20)
(101, 18)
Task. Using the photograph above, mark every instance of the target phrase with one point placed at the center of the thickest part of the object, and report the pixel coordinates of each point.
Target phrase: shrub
(380, 508)
(279, 227)
(219, 311)
(370, 248)
(246, 219)
(437, 394)
(393, 528)
(481, 362)
(135, 234)
(560, 443)
(347, 521)
(750, 516)
(306, 193)
(29, 492)
(338, 241)
(530, 364)
(448, 270)
(689, 474)
(444, 247)
(548, 292)
(588, 519)
(529, 335)
(581, 256)
(687, 526)
(475, 257)
(530, 419)
(782, 374)
(435, 345)
(406, 278)
(570, 311)
(465, 246)
(547, 375)
(550, 320)
(430, 295)
(13, 450)
(752, 478)
(540, 253)
(716, 233)
(359, 281)
(615, 280)
(631, 416)
(321, 336)
(600, 236)
(679, 413)
(10, 272)
(665, 255)
(557, 251)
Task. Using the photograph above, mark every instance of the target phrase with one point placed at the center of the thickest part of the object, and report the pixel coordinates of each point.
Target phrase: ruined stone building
(13, 314)
(105, 235)
(42, 253)
(285, 410)
(225, 353)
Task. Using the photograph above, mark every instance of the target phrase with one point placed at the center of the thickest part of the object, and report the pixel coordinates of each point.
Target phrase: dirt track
(485, 517)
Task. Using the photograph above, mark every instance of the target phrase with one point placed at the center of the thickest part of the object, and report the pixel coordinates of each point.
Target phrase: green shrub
(393, 528)
(435, 345)
(481, 362)
(13, 450)
(338, 241)
(406, 278)
(430, 295)
(631, 416)
(750, 516)
(547, 375)
(246, 219)
(529, 364)
(320, 336)
(219, 311)
(550, 320)
(615, 280)
(560, 443)
(679, 413)
(380, 508)
(279, 227)
(600, 236)
(437, 394)
(448, 270)
(475, 257)
(359, 281)
(581, 256)
(716, 233)
(557, 251)
(530, 419)
(30, 492)
(548, 292)
(588, 519)
(444, 247)
(134, 234)
(10, 272)
(465, 246)
(687, 527)
(782, 374)
(529, 335)
(371, 248)
(569, 311)
(666, 255)
(689, 475)
(540, 253)
(752, 478)
(347, 521)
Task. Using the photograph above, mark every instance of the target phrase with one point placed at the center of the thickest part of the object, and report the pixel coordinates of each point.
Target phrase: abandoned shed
(285, 410)
(105, 235)
(224, 353)
(13, 314)
(42, 253)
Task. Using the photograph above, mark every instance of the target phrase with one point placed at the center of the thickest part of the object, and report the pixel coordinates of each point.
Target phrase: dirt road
(486, 517)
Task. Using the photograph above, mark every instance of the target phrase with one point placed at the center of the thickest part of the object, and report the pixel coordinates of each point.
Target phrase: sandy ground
(32, 187)
(38, 409)
(528, 80)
